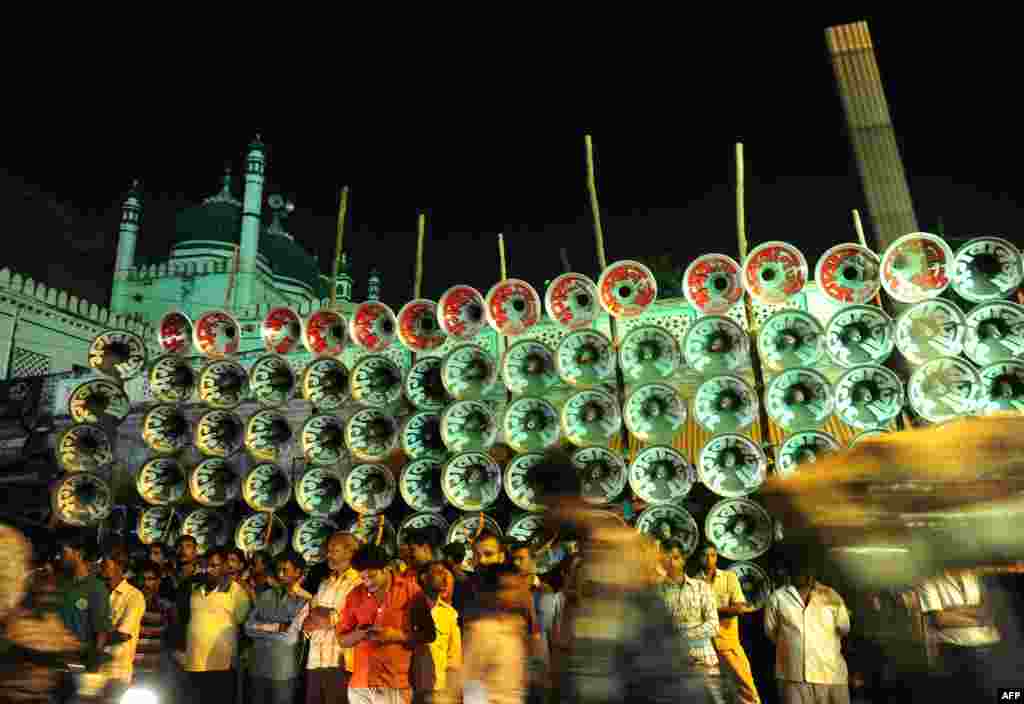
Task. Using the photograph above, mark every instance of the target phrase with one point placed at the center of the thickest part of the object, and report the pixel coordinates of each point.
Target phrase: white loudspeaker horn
(216, 334)
(281, 331)
(118, 354)
(571, 301)
(174, 333)
(869, 396)
(660, 475)
(585, 358)
(803, 448)
(375, 530)
(791, 338)
(521, 481)
(171, 379)
(325, 384)
(84, 448)
(530, 424)
(471, 481)
(799, 399)
(626, 289)
(370, 488)
(654, 413)
(725, 404)
(373, 326)
(468, 372)
(774, 272)
(668, 522)
(716, 344)
(158, 524)
(325, 333)
(424, 386)
(223, 384)
(371, 435)
(732, 465)
(310, 537)
(1002, 388)
(649, 353)
(166, 430)
(251, 535)
(512, 307)
(268, 435)
(418, 328)
(848, 273)
(995, 333)
(208, 527)
(944, 388)
(219, 434)
(421, 436)
(320, 491)
(376, 381)
(81, 500)
(323, 440)
(460, 312)
(267, 487)
(420, 485)
(468, 426)
(987, 269)
(859, 335)
(590, 417)
(271, 381)
(916, 267)
(603, 474)
(528, 368)
(712, 284)
(930, 329)
(161, 482)
(739, 528)
(99, 401)
(213, 483)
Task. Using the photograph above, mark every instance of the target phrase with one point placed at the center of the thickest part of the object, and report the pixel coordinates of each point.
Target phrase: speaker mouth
(183, 376)
(728, 401)
(855, 333)
(387, 327)
(586, 355)
(592, 413)
(652, 408)
(799, 395)
(98, 403)
(648, 351)
(294, 330)
(720, 343)
(582, 300)
(118, 352)
(379, 429)
(992, 329)
(535, 421)
(518, 305)
(280, 432)
(534, 364)
(428, 324)
(987, 265)
(475, 313)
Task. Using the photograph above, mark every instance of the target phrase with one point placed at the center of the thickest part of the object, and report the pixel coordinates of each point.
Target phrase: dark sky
(503, 151)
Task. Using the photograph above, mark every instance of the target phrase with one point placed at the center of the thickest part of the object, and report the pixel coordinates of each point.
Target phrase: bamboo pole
(338, 246)
(501, 255)
(859, 227)
(421, 227)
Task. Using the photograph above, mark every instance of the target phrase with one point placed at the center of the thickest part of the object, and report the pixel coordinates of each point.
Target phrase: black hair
(216, 551)
(149, 566)
(423, 571)
(556, 477)
(370, 557)
(521, 545)
(292, 557)
(164, 551)
(456, 552)
(240, 554)
(671, 544)
(186, 538)
(119, 555)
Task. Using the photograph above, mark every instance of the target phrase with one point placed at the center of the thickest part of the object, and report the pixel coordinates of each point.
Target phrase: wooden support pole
(501, 255)
(421, 228)
(339, 246)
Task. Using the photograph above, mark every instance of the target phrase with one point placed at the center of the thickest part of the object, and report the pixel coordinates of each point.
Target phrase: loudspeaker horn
(219, 434)
(660, 475)
(161, 482)
(320, 492)
(421, 436)
(916, 267)
(418, 328)
(716, 344)
(521, 481)
(251, 535)
(325, 333)
(376, 381)
(310, 538)
(468, 372)
(423, 522)
(859, 335)
(930, 329)
(371, 435)
(987, 269)
(739, 528)
(791, 338)
(158, 524)
(590, 417)
(424, 386)
(944, 388)
(465, 529)
(603, 474)
(325, 384)
(848, 274)
(530, 424)
(118, 354)
(281, 331)
(272, 381)
(725, 404)
(584, 359)
(756, 584)
(216, 334)
(213, 483)
(174, 333)
(774, 272)
(995, 333)
(171, 379)
(471, 481)
(375, 530)
(223, 384)
(166, 430)
(649, 353)
(528, 368)
(420, 485)
(626, 289)
(801, 448)
(571, 301)
(799, 399)
(1002, 388)
(267, 487)
(323, 440)
(99, 401)
(373, 326)
(732, 465)
(468, 426)
(268, 435)
(84, 448)
(208, 527)
(667, 522)
(460, 312)
(370, 488)
(868, 396)
(512, 307)
(712, 284)
(81, 499)
(654, 413)
(531, 529)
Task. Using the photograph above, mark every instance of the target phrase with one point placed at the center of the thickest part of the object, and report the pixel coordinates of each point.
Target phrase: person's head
(73, 553)
(340, 549)
(15, 558)
(421, 548)
(113, 566)
(709, 557)
(488, 550)
(434, 578)
(216, 565)
(187, 549)
(371, 562)
(261, 564)
(151, 573)
(523, 558)
(803, 568)
(289, 567)
(159, 553)
(454, 554)
(234, 563)
(675, 557)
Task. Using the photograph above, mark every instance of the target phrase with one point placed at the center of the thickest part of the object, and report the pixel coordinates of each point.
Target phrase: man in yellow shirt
(435, 663)
(725, 585)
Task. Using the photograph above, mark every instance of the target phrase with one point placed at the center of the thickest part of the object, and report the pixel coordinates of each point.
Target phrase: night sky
(488, 152)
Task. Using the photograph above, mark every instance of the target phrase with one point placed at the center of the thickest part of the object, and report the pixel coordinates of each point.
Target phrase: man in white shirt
(807, 621)
(127, 607)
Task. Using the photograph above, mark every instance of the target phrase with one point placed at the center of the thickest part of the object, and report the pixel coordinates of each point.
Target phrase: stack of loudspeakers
(384, 451)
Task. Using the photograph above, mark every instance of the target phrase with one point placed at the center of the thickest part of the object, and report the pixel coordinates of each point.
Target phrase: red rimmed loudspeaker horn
(460, 312)
(373, 326)
(512, 307)
(281, 331)
(418, 326)
(216, 334)
(571, 301)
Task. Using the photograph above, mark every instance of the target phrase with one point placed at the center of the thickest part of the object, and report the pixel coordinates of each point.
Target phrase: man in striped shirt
(155, 621)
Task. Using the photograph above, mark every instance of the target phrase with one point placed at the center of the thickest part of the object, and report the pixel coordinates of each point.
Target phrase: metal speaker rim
(811, 341)
(490, 479)
(486, 441)
(209, 394)
(172, 391)
(661, 453)
(204, 336)
(307, 439)
(304, 499)
(923, 374)
(655, 513)
(414, 423)
(519, 465)
(449, 312)
(266, 394)
(616, 464)
(1013, 269)
(117, 400)
(69, 454)
(313, 556)
(213, 464)
(572, 371)
(148, 433)
(364, 390)
(261, 451)
(131, 367)
(418, 382)
(516, 372)
(841, 393)
(739, 385)
(249, 490)
(786, 465)
(361, 446)
(312, 389)
(228, 450)
(523, 439)
(706, 471)
(741, 566)
(834, 341)
(992, 373)
(65, 489)
(608, 405)
(165, 515)
(367, 527)
(793, 267)
(316, 342)
(937, 282)
(976, 347)
(412, 500)
(178, 490)
(668, 359)
(918, 351)
(386, 495)
(498, 315)
(221, 536)
(412, 334)
(256, 524)
(729, 553)
(174, 333)
(644, 429)
(643, 288)
(373, 326)
(468, 391)
(696, 284)
(572, 287)
(711, 362)
(274, 340)
(835, 287)
(826, 405)
(465, 526)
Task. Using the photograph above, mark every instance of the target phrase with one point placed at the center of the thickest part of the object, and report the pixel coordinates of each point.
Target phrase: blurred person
(127, 608)
(524, 562)
(329, 666)
(385, 618)
(85, 601)
(421, 551)
(653, 559)
(732, 604)
(434, 664)
(155, 622)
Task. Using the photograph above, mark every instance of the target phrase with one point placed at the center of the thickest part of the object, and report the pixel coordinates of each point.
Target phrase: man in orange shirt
(385, 618)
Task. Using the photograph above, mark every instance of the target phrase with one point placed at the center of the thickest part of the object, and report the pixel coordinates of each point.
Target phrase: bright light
(138, 695)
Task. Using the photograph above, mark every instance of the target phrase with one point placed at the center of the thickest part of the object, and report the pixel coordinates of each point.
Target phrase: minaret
(255, 165)
(345, 280)
(127, 236)
(373, 285)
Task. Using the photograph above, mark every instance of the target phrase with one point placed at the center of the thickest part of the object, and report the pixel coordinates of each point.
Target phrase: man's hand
(384, 634)
(319, 619)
